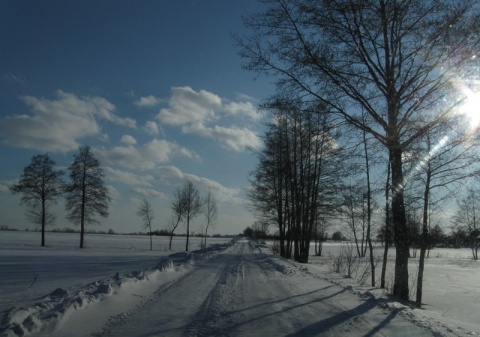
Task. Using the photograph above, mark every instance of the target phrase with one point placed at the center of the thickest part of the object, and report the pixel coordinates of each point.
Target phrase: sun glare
(471, 107)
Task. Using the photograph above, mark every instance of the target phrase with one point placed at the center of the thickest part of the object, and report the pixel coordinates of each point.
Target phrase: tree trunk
(369, 211)
(82, 210)
(188, 233)
(387, 226)
(424, 237)
(206, 233)
(400, 287)
(151, 245)
(170, 244)
(44, 220)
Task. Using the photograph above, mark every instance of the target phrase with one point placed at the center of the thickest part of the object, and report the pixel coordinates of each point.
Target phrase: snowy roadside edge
(59, 303)
(381, 298)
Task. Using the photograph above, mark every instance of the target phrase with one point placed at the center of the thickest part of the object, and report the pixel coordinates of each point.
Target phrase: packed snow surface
(117, 287)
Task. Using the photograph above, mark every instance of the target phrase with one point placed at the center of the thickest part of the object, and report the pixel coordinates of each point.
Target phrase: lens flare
(470, 106)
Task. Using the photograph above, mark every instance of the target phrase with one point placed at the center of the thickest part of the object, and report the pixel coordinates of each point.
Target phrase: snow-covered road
(243, 292)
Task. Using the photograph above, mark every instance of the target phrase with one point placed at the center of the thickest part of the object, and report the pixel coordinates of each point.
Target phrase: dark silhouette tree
(86, 194)
(145, 212)
(338, 236)
(40, 185)
(399, 62)
(211, 212)
(298, 173)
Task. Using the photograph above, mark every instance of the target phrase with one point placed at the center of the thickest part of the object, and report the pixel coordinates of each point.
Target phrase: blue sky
(156, 88)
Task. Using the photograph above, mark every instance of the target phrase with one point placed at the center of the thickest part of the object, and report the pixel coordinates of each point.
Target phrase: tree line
(395, 76)
(86, 197)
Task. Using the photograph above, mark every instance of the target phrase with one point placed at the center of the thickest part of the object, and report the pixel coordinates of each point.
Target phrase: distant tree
(355, 216)
(211, 213)
(467, 218)
(248, 232)
(338, 236)
(260, 229)
(320, 234)
(40, 185)
(436, 236)
(145, 212)
(191, 205)
(86, 194)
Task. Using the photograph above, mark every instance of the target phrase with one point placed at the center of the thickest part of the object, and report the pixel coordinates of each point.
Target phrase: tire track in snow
(117, 320)
(215, 312)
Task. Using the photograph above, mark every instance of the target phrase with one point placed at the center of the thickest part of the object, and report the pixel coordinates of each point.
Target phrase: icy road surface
(243, 292)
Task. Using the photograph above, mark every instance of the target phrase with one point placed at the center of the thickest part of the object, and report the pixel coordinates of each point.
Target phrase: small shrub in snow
(345, 262)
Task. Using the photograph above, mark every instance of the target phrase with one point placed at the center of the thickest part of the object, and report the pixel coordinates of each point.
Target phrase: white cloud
(244, 97)
(148, 101)
(129, 140)
(200, 113)
(188, 106)
(144, 157)
(152, 128)
(149, 193)
(128, 178)
(113, 193)
(57, 125)
(233, 138)
(246, 109)
(6, 184)
(171, 175)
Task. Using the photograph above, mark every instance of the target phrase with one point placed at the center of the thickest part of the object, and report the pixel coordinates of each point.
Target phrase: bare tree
(40, 185)
(191, 205)
(355, 215)
(86, 194)
(399, 62)
(320, 234)
(210, 211)
(177, 215)
(467, 218)
(145, 212)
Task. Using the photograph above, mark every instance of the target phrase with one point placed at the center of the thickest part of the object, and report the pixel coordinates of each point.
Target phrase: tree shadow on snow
(328, 323)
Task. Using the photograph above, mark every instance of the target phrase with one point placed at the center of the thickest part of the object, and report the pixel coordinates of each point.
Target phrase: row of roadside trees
(398, 73)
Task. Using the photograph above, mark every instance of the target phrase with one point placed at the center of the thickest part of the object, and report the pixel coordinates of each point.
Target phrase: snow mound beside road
(60, 304)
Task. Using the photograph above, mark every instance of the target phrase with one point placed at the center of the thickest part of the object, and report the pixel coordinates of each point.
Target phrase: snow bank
(51, 310)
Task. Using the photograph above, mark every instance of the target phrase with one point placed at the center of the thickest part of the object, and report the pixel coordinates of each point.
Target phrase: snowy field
(106, 288)
(451, 291)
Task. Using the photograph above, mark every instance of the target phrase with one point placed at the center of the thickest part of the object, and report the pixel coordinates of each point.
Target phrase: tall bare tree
(86, 194)
(177, 215)
(191, 205)
(40, 185)
(145, 212)
(397, 61)
(210, 211)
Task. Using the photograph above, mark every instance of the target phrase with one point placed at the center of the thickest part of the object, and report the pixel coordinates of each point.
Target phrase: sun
(471, 107)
